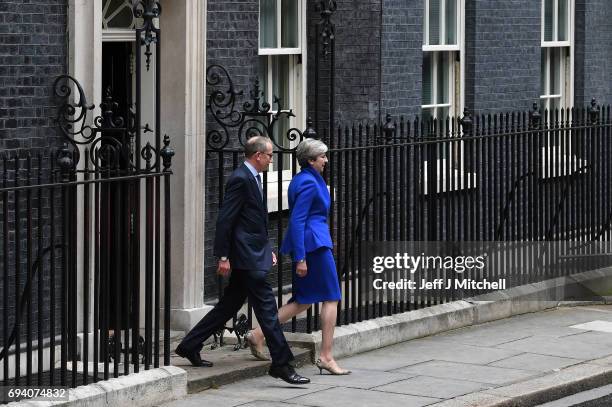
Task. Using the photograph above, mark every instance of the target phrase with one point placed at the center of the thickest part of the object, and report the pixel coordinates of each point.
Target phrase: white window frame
(564, 79)
(459, 24)
(460, 178)
(297, 95)
(458, 47)
(570, 24)
(566, 72)
(555, 164)
(451, 83)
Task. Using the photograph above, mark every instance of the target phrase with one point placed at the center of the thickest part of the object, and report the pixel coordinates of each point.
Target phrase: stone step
(229, 366)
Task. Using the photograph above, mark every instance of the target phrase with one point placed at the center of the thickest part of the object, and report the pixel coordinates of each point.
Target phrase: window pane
(451, 22)
(118, 14)
(434, 22)
(289, 23)
(555, 104)
(548, 20)
(267, 24)
(427, 115)
(442, 80)
(441, 115)
(543, 82)
(563, 23)
(281, 88)
(280, 80)
(555, 72)
(427, 78)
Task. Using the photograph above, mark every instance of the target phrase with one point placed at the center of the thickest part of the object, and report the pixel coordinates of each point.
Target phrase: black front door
(116, 198)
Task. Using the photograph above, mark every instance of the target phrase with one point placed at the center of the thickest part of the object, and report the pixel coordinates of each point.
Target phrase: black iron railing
(85, 259)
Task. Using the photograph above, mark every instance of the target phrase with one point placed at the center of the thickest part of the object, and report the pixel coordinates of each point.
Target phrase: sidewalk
(524, 360)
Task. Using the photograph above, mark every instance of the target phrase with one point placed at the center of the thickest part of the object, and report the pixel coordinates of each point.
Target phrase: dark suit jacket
(242, 224)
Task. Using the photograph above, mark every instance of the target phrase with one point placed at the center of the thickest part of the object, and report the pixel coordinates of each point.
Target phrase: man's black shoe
(194, 358)
(288, 374)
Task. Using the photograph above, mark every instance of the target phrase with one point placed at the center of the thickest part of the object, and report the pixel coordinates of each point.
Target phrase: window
(556, 83)
(442, 49)
(118, 14)
(442, 95)
(282, 59)
(556, 61)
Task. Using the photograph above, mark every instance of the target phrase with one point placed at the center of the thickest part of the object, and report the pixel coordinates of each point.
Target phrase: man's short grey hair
(309, 149)
(256, 144)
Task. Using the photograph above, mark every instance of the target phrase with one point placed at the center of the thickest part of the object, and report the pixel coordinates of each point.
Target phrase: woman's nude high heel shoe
(324, 366)
(253, 347)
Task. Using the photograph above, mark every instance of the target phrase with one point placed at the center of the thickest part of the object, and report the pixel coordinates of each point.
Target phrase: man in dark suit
(241, 244)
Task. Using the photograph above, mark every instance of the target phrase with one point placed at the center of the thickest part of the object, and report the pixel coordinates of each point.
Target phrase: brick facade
(33, 51)
(402, 57)
(502, 55)
(593, 52)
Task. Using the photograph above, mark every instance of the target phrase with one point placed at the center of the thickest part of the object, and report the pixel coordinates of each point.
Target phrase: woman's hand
(301, 269)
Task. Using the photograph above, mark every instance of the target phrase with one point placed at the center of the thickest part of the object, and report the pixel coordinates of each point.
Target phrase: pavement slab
(535, 362)
(267, 403)
(477, 373)
(477, 355)
(593, 337)
(599, 326)
(476, 400)
(210, 400)
(337, 397)
(267, 388)
(358, 379)
(487, 336)
(433, 387)
(570, 347)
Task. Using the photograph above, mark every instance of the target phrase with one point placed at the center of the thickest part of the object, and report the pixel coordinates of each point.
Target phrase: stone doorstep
(229, 366)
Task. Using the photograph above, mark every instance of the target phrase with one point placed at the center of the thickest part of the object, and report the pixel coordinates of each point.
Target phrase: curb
(535, 391)
(146, 388)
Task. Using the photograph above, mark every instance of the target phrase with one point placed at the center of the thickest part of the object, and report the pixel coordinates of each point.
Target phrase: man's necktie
(260, 185)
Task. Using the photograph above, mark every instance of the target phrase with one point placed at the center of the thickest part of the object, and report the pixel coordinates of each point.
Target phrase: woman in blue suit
(309, 243)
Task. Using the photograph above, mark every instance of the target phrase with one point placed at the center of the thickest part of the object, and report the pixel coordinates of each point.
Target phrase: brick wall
(357, 62)
(402, 57)
(32, 53)
(593, 52)
(502, 54)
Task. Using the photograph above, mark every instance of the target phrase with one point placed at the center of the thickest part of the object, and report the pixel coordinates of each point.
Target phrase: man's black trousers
(243, 283)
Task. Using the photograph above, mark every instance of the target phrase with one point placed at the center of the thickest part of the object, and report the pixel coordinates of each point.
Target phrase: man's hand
(301, 269)
(274, 260)
(224, 268)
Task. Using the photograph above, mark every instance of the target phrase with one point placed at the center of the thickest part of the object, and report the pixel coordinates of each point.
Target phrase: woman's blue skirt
(321, 281)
